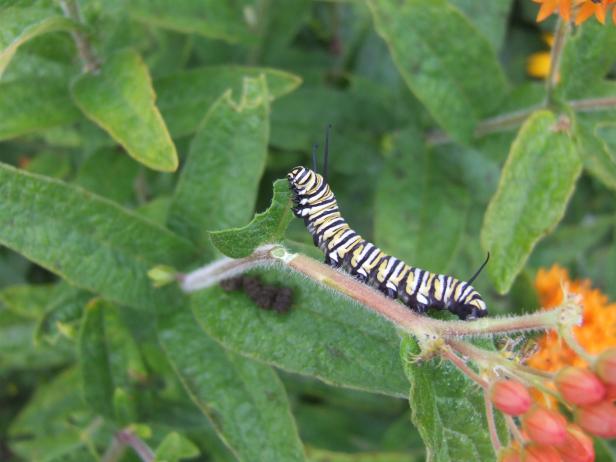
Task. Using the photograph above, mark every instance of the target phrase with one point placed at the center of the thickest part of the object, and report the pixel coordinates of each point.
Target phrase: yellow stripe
(409, 282)
(438, 289)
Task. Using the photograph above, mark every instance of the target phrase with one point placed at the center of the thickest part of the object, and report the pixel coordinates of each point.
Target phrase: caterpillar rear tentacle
(344, 248)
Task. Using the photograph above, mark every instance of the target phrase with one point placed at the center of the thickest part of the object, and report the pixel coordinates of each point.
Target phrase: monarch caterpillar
(418, 289)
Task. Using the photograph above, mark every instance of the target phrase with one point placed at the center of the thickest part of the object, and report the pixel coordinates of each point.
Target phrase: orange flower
(584, 9)
(549, 6)
(590, 7)
(597, 332)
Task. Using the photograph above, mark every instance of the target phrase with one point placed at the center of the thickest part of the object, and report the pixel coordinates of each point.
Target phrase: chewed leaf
(265, 227)
(120, 99)
(220, 178)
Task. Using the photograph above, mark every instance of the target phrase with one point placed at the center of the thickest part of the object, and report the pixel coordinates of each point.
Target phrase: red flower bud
(510, 397)
(606, 366)
(579, 386)
(509, 455)
(539, 453)
(610, 392)
(578, 446)
(545, 426)
(598, 419)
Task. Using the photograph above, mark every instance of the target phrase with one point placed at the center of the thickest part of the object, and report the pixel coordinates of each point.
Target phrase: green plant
(139, 138)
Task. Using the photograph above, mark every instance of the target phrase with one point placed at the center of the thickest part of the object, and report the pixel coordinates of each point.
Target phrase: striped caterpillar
(344, 248)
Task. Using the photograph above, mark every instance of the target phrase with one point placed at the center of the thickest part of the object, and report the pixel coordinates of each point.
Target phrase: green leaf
(245, 400)
(175, 447)
(111, 174)
(211, 18)
(91, 242)
(322, 455)
(63, 312)
(219, 181)
(120, 99)
(588, 55)
(489, 17)
(447, 409)
(185, 97)
(111, 365)
(265, 227)
(26, 300)
(345, 345)
(536, 183)
(18, 25)
(426, 227)
(598, 159)
(55, 423)
(18, 350)
(448, 65)
(31, 105)
(50, 164)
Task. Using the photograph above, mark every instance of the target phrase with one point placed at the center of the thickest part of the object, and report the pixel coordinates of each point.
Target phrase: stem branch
(460, 364)
(560, 37)
(496, 444)
(87, 56)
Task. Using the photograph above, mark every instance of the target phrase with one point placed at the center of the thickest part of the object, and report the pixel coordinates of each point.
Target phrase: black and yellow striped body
(344, 248)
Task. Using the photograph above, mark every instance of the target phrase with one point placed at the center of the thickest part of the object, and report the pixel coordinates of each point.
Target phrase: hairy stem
(123, 439)
(499, 123)
(515, 431)
(464, 368)
(560, 37)
(87, 56)
(496, 444)
(568, 337)
(224, 268)
(593, 104)
(136, 444)
(422, 327)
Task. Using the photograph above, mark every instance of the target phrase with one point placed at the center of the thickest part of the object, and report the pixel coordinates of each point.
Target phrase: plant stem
(422, 327)
(499, 123)
(137, 444)
(568, 337)
(114, 452)
(89, 61)
(593, 104)
(560, 37)
(514, 430)
(224, 268)
(460, 364)
(496, 444)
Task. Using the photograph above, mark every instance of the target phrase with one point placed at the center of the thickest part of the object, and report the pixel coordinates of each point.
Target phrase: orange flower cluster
(597, 332)
(581, 9)
(588, 390)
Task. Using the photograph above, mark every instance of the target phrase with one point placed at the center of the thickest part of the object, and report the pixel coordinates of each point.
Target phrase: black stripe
(341, 242)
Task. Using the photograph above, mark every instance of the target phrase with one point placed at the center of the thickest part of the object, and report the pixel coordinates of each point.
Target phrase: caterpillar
(416, 288)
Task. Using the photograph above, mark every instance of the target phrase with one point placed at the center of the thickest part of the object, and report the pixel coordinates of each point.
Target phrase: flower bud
(509, 455)
(579, 386)
(606, 366)
(510, 397)
(610, 392)
(539, 453)
(545, 426)
(598, 419)
(578, 446)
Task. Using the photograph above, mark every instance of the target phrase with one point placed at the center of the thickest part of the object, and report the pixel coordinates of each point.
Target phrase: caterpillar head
(301, 179)
(473, 309)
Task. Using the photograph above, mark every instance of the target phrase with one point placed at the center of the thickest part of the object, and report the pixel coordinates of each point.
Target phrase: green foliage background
(164, 152)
